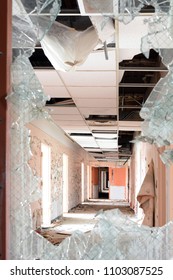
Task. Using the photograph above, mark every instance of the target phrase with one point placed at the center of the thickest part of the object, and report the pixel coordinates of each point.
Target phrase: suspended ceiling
(98, 104)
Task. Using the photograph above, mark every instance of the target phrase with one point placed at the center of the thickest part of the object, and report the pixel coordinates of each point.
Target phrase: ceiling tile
(103, 127)
(95, 103)
(127, 53)
(83, 141)
(68, 117)
(92, 92)
(56, 91)
(93, 149)
(66, 123)
(100, 62)
(130, 126)
(62, 110)
(98, 111)
(130, 34)
(107, 144)
(48, 77)
(75, 129)
(89, 78)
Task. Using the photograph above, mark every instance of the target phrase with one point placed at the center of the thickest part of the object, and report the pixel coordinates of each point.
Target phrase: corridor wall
(60, 144)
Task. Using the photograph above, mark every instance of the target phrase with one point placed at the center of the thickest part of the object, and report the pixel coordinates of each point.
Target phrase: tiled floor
(83, 218)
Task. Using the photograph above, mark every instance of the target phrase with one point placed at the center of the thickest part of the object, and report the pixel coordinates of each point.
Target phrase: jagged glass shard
(28, 22)
(26, 103)
(167, 157)
(159, 37)
(117, 237)
(157, 113)
(142, 138)
(124, 10)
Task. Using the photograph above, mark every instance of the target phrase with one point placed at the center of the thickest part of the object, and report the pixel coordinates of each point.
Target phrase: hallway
(82, 218)
(86, 130)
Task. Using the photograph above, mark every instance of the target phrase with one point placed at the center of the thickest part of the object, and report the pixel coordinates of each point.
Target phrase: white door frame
(46, 184)
(65, 183)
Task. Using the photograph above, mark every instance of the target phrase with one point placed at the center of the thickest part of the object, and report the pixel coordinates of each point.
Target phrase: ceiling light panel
(93, 149)
(105, 135)
(85, 141)
(103, 143)
(98, 111)
(89, 78)
(76, 129)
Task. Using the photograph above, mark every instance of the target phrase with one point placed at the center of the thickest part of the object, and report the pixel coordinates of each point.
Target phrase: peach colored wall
(118, 176)
(169, 193)
(94, 182)
(95, 176)
(76, 155)
(143, 153)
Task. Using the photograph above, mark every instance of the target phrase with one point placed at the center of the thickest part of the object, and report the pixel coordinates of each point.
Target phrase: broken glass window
(115, 236)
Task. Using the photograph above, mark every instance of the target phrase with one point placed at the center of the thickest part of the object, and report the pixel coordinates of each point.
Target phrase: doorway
(82, 182)
(65, 183)
(46, 184)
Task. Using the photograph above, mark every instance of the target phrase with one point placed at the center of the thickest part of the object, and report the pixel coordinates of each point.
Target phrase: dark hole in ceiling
(136, 85)
(147, 9)
(60, 102)
(141, 77)
(140, 60)
(124, 141)
(129, 115)
(69, 6)
(79, 23)
(39, 60)
(101, 118)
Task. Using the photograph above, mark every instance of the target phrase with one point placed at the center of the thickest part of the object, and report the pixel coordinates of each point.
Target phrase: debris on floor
(81, 218)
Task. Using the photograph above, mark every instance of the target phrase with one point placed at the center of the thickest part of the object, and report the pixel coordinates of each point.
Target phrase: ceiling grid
(97, 104)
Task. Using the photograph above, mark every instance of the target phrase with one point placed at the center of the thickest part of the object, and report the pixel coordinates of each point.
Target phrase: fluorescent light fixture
(85, 141)
(107, 144)
(105, 135)
(90, 149)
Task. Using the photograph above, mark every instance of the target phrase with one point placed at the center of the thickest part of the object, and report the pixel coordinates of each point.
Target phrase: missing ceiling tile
(54, 101)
